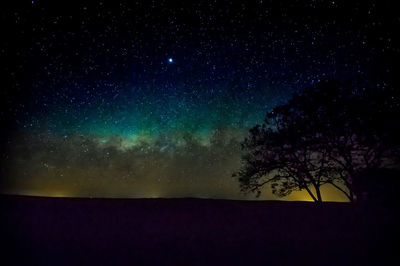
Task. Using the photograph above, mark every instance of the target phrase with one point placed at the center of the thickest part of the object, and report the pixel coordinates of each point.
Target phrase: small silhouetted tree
(325, 135)
(378, 186)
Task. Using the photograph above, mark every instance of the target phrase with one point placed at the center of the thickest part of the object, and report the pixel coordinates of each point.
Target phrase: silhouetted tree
(378, 186)
(325, 135)
(276, 157)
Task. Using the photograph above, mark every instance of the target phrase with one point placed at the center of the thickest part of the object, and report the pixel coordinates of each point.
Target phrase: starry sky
(152, 98)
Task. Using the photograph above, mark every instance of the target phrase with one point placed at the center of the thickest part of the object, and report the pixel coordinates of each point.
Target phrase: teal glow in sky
(146, 99)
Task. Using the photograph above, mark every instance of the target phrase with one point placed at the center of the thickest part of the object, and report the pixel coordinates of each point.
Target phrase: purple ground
(67, 231)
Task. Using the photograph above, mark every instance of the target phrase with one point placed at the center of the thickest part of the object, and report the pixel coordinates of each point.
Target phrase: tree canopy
(327, 134)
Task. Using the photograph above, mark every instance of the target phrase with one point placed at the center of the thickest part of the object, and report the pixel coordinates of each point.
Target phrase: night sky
(152, 99)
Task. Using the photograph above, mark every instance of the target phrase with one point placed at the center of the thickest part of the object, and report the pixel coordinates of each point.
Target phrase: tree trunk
(350, 184)
(349, 195)
(311, 194)
(318, 191)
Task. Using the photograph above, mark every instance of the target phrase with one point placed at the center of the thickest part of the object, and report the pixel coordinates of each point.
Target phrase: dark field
(67, 231)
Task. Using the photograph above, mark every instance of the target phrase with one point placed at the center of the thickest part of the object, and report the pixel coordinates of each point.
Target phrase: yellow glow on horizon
(328, 194)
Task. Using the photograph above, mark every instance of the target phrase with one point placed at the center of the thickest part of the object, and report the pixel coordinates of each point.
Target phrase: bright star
(170, 60)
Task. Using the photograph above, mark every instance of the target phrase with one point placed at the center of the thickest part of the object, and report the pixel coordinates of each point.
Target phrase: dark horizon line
(10, 195)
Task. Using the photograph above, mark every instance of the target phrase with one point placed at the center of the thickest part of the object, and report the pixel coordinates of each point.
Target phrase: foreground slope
(75, 231)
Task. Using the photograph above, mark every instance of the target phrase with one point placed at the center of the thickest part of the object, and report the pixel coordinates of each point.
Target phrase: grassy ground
(68, 231)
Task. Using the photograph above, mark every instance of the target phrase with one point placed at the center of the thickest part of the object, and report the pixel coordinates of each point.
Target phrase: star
(170, 60)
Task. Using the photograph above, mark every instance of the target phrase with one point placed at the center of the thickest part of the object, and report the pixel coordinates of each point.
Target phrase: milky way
(152, 99)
